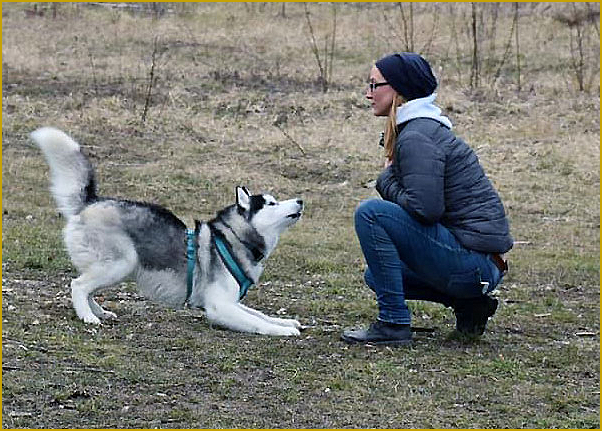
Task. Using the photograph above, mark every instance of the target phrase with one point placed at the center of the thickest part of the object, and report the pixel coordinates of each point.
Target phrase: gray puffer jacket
(437, 178)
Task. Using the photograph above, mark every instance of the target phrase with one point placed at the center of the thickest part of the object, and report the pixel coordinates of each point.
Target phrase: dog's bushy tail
(71, 175)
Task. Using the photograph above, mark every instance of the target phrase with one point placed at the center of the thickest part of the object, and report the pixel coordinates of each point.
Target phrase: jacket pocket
(465, 284)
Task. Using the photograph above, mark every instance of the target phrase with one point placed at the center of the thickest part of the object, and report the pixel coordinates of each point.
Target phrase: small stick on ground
(290, 138)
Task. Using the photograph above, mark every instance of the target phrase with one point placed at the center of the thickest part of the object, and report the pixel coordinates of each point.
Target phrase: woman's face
(381, 97)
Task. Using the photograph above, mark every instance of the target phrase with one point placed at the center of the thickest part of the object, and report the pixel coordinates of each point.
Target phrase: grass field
(236, 98)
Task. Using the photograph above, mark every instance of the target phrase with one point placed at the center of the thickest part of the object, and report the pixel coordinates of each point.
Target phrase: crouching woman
(440, 230)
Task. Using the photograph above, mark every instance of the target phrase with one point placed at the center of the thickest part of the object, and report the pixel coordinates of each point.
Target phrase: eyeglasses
(373, 85)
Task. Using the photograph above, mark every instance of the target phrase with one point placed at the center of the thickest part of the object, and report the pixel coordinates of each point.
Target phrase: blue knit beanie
(409, 74)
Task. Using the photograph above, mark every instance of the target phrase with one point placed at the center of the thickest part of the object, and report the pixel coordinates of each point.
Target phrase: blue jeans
(410, 260)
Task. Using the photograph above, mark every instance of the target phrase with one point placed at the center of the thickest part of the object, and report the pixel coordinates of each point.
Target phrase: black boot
(380, 333)
(472, 314)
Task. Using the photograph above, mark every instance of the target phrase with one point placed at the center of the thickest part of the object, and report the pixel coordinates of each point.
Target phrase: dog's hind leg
(98, 311)
(81, 289)
(96, 277)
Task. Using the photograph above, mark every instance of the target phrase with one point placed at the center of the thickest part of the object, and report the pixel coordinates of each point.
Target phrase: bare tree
(475, 74)
(151, 81)
(584, 42)
(325, 63)
(408, 26)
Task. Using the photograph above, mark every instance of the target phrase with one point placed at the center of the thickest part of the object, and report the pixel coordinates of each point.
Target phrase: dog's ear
(243, 198)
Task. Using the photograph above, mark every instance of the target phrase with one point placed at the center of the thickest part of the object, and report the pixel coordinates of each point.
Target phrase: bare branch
(149, 91)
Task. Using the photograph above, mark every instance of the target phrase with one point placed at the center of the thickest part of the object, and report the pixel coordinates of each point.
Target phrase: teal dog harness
(191, 251)
(241, 278)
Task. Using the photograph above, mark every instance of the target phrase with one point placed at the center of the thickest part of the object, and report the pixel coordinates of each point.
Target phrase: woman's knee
(367, 210)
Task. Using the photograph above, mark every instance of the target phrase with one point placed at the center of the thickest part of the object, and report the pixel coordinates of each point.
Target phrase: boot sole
(377, 343)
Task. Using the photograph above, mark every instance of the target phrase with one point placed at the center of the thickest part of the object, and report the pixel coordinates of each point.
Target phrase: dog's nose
(300, 202)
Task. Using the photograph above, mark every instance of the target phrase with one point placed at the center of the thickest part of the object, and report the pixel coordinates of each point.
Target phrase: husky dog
(211, 267)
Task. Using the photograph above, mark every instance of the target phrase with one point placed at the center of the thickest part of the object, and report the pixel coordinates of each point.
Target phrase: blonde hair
(391, 127)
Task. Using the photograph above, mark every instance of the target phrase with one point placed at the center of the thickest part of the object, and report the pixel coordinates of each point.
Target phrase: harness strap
(241, 278)
(191, 249)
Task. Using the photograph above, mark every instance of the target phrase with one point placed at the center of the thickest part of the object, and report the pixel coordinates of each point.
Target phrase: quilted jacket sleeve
(415, 181)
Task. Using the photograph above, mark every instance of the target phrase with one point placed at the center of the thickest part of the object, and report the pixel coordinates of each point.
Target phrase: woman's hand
(388, 162)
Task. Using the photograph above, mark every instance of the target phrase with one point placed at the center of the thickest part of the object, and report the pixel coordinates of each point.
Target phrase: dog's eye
(271, 203)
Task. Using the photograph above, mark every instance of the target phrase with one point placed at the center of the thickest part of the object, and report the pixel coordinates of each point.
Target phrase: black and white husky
(210, 266)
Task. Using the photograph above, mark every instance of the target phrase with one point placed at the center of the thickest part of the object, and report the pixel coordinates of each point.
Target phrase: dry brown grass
(225, 74)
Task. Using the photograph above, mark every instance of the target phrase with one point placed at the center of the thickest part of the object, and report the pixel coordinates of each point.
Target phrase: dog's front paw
(291, 322)
(91, 318)
(279, 331)
(289, 331)
(108, 315)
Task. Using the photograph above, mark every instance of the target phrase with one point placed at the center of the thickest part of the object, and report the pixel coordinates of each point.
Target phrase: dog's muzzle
(297, 214)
